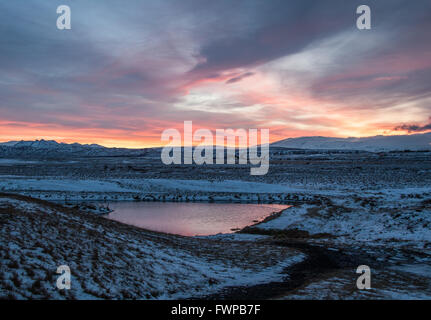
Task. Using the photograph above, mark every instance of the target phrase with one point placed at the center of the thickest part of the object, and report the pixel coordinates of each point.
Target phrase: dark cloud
(414, 127)
(240, 77)
(278, 28)
(136, 59)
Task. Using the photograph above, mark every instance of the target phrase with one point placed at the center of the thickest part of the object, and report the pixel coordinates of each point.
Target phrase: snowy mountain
(45, 144)
(52, 149)
(373, 144)
(9, 143)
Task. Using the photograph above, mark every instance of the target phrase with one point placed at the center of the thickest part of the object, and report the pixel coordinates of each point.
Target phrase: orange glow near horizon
(119, 85)
(118, 139)
(249, 98)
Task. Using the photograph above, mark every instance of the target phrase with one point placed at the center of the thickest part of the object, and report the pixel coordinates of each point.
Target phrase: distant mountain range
(412, 142)
(52, 149)
(46, 144)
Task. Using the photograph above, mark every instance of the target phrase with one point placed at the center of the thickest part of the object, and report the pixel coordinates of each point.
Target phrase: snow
(15, 161)
(377, 203)
(109, 260)
(373, 219)
(159, 189)
(71, 185)
(373, 144)
(217, 186)
(44, 144)
(418, 269)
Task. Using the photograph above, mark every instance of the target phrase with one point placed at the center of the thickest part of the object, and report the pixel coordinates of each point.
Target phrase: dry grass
(110, 259)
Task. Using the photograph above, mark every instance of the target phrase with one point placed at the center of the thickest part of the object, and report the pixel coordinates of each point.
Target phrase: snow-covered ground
(390, 231)
(109, 260)
(149, 189)
(373, 220)
(375, 207)
(372, 144)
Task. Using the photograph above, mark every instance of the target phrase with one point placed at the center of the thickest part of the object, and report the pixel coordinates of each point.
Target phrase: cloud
(414, 127)
(298, 66)
(240, 77)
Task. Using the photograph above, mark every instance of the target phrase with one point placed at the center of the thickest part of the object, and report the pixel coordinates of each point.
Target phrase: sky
(128, 70)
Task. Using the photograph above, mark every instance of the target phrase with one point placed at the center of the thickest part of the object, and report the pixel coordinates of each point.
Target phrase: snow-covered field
(109, 260)
(377, 219)
(147, 189)
(351, 207)
(375, 144)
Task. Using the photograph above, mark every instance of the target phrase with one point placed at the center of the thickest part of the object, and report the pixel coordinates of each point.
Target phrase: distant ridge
(45, 144)
(48, 148)
(53, 149)
(412, 142)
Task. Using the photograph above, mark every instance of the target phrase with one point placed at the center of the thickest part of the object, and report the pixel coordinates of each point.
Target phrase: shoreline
(299, 272)
(216, 197)
(327, 259)
(225, 259)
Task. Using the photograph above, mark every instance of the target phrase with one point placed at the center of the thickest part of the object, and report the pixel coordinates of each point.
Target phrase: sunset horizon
(215, 159)
(157, 143)
(121, 80)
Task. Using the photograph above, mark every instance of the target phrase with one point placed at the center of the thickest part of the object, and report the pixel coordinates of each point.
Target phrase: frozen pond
(190, 219)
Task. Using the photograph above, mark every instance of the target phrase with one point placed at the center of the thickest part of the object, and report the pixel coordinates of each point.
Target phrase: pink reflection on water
(191, 219)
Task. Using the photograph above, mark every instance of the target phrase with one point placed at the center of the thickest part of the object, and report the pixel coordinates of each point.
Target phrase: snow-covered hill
(50, 148)
(373, 144)
(46, 144)
(131, 263)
